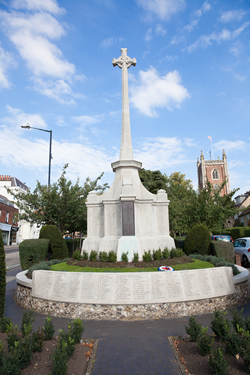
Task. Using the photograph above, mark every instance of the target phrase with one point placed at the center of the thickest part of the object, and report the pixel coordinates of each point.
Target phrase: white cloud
(6, 60)
(196, 16)
(40, 5)
(148, 35)
(163, 9)
(153, 91)
(232, 15)
(160, 30)
(87, 120)
(168, 58)
(162, 152)
(238, 31)
(28, 149)
(58, 90)
(229, 146)
(109, 42)
(207, 40)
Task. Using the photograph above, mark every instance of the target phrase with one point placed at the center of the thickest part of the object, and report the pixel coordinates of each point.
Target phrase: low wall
(132, 311)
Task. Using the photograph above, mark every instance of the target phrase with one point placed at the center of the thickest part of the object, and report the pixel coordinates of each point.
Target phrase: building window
(7, 217)
(215, 174)
(216, 186)
(0, 213)
(241, 220)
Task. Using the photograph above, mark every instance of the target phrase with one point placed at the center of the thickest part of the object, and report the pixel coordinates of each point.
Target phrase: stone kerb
(232, 291)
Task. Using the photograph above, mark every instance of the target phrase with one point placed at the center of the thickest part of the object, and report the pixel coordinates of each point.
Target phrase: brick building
(8, 221)
(215, 171)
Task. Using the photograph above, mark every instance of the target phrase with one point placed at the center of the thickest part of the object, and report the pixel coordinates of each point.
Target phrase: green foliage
(205, 342)
(217, 262)
(247, 323)
(217, 362)
(223, 249)
(153, 180)
(237, 321)
(64, 337)
(27, 321)
(77, 254)
(136, 257)
(11, 363)
(147, 257)
(13, 336)
(4, 322)
(237, 232)
(60, 359)
(233, 343)
(57, 245)
(93, 255)
(194, 329)
(165, 253)
(49, 328)
(176, 253)
(197, 240)
(2, 276)
(37, 340)
(220, 325)
(32, 252)
(76, 329)
(125, 257)
(61, 204)
(85, 255)
(112, 257)
(157, 254)
(103, 256)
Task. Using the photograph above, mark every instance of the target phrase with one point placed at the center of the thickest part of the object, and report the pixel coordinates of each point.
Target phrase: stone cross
(124, 62)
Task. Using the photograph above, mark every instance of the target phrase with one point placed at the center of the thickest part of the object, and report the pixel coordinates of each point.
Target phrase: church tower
(215, 171)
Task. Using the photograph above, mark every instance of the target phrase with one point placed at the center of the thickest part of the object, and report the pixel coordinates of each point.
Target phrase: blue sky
(191, 81)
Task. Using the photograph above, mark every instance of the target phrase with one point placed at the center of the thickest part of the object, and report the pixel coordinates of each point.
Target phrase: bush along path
(2, 276)
(225, 351)
(26, 352)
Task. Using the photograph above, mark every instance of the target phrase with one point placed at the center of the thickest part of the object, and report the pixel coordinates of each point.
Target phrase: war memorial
(128, 218)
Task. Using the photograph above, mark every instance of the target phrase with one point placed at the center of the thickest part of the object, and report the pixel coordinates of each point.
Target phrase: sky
(191, 81)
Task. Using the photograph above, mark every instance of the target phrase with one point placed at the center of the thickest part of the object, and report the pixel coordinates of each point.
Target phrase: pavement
(124, 348)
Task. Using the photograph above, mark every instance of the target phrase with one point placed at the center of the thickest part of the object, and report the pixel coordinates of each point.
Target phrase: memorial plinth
(132, 287)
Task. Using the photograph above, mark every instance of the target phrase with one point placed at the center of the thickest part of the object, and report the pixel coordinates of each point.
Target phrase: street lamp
(27, 126)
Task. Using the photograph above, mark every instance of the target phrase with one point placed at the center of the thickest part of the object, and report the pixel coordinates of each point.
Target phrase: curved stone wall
(132, 311)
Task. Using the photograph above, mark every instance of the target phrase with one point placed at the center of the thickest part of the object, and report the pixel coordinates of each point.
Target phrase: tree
(62, 204)
(180, 193)
(152, 180)
(210, 208)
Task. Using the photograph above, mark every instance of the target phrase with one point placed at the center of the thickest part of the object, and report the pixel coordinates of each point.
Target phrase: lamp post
(27, 126)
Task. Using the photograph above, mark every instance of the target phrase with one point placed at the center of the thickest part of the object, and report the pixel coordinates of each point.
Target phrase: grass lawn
(178, 267)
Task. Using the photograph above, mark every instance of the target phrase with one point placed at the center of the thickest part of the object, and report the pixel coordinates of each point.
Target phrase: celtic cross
(124, 62)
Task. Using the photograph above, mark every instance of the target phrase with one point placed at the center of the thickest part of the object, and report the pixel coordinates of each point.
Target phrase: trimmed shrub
(57, 245)
(157, 254)
(223, 249)
(176, 253)
(32, 252)
(85, 255)
(237, 232)
(103, 256)
(2, 276)
(165, 253)
(135, 258)
(77, 255)
(125, 257)
(197, 241)
(147, 257)
(93, 255)
(247, 232)
(43, 266)
(112, 257)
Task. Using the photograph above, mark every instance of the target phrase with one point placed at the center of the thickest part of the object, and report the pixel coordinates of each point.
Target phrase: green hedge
(2, 276)
(223, 249)
(237, 232)
(32, 252)
(198, 241)
(57, 245)
(72, 245)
